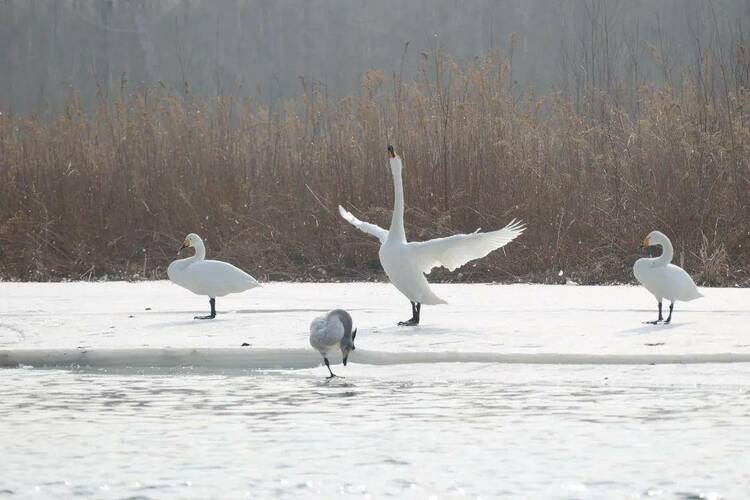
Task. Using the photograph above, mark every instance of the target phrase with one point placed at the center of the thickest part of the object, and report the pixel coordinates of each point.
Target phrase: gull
(333, 331)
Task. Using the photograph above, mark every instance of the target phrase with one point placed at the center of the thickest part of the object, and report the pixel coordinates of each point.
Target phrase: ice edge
(266, 358)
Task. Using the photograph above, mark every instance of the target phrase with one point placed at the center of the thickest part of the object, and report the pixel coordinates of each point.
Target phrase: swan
(663, 279)
(207, 277)
(332, 330)
(406, 263)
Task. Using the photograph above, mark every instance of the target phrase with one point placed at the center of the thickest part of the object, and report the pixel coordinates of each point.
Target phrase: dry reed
(110, 192)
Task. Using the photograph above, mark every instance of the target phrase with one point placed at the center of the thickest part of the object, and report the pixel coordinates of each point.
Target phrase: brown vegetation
(112, 191)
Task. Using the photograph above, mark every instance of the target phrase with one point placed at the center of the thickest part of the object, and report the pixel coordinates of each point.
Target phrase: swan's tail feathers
(252, 282)
(365, 227)
(437, 301)
(455, 251)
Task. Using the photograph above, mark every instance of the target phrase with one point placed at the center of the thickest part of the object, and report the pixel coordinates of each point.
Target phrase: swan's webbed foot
(661, 318)
(669, 318)
(416, 307)
(213, 310)
(411, 322)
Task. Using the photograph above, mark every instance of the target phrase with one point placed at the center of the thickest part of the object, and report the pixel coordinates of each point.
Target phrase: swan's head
(655, 238)
(395, 161)
(191, 240)
(347, 346)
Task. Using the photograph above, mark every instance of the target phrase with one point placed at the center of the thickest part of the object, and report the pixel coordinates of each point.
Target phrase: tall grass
(113, 190)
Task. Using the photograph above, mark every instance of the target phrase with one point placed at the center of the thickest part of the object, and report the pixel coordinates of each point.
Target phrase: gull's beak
(391, 151)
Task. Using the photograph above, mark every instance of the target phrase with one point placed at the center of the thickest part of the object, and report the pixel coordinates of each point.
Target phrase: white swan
(331, 331)
(406, 263)
(662, 279)
(207, 277)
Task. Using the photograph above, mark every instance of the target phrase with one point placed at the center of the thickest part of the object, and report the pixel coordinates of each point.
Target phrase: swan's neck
(397, 221)
(200, 253)
(667, 252)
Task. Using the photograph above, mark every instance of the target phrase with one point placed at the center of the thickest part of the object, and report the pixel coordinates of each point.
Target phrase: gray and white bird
(333, 331)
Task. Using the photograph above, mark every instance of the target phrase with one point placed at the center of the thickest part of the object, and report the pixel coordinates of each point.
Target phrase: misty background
(269, 49)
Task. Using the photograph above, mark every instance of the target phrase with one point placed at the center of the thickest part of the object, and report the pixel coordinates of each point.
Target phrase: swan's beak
(185, 244)
(645, 244)
(345, 358)
(391, 151)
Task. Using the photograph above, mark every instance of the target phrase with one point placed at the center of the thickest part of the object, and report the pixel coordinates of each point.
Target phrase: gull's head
(395, 161)
(654, 238)
(191, 240)
(347, 346)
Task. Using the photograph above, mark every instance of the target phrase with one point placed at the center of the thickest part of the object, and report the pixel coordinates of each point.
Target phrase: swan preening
(332, 331)
(213, 278)
(663, 279)
(406, 263)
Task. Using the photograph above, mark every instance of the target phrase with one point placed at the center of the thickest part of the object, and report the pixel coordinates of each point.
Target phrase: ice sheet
(503, 323)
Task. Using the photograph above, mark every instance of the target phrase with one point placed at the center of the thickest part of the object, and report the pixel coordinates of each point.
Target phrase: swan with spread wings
(406, 263)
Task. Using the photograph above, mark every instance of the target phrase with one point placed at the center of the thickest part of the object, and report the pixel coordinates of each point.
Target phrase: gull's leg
(328, 365)
(414, 315)
(661, 318)
(669, 318)
(211, 301)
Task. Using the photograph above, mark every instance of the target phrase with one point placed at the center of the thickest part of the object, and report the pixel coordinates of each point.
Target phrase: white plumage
(663, 279)
(406, 263)
(365, 227)
(213, 278)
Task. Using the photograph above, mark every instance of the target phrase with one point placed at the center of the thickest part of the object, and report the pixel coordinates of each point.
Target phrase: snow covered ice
(401, 423)
(504, 319)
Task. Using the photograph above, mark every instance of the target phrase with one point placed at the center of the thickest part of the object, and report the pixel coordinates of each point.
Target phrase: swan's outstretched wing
(366, 227)
(455, 251)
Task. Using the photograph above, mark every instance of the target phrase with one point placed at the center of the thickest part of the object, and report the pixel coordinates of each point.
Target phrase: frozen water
(479, 318)
(194, 416)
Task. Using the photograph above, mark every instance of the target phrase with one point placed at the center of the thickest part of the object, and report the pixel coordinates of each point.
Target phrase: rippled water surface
(450, 430)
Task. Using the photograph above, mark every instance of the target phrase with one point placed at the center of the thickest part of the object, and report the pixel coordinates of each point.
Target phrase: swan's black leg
(213, 310)
(328, 365)
(661, 318)
(669, 318)
(415, 309)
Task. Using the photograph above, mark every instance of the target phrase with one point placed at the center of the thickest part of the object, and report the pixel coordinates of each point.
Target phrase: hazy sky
(266, 47)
